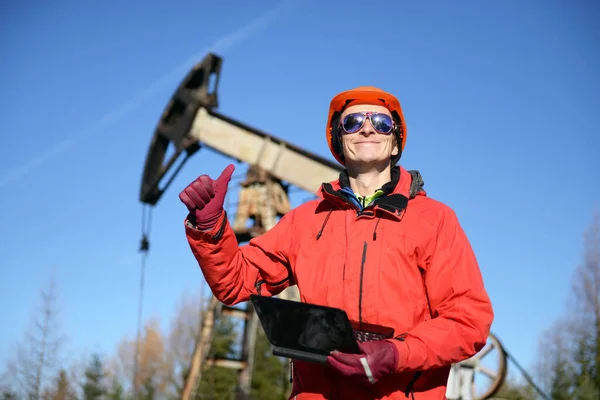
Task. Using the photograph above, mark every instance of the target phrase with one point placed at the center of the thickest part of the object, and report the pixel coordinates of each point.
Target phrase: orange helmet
(363, 95)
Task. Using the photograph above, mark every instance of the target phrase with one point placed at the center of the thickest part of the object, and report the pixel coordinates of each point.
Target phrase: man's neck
(365, 183)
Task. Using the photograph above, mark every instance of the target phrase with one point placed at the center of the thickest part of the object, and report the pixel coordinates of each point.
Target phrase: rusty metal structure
(190, 122)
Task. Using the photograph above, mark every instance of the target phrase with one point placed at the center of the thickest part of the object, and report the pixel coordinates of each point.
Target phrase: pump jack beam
(190, 122)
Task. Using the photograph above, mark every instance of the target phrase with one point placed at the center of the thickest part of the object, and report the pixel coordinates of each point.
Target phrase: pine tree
(270, 376)
(562, 381)
(571, 351)
(115, 391)
(219, 383)
(586, 290)
(94, 386)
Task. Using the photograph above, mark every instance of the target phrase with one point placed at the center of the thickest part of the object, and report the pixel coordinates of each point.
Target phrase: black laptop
(309, 332)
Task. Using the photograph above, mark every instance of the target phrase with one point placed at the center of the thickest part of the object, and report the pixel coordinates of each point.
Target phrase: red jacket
(404, 262)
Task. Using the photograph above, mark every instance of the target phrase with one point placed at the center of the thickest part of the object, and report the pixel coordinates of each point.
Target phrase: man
(373, 244)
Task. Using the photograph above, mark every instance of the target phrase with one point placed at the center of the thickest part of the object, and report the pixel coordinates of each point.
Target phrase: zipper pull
(401, 337)
(258, 286)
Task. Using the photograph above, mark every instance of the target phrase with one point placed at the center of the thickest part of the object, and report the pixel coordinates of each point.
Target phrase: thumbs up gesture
(204, 198)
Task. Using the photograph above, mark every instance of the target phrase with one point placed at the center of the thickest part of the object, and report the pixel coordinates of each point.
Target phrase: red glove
(378, 359)
(204, 198)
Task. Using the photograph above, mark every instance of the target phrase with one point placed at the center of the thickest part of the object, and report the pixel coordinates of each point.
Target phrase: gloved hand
(204, 198)
(378, 359)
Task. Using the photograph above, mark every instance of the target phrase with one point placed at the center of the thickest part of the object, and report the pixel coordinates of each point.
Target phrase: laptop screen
(305, 327)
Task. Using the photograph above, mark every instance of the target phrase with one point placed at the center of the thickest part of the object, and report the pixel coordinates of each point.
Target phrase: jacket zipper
(221, 231)
(330, 191)
(410, 387)
(360, 293)
(262, 281)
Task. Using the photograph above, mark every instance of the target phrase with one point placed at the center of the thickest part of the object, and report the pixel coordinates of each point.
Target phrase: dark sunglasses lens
(382, 123)
(353, 122)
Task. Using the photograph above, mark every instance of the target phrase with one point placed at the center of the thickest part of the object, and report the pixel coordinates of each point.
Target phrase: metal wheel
(481, 376)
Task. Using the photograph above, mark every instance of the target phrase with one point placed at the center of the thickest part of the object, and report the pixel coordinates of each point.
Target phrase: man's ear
(395, 145)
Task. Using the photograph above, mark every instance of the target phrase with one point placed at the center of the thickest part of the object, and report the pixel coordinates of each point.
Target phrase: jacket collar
(404, 185)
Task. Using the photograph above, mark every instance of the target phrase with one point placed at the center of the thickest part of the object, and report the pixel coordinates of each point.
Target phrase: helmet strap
(336, 139)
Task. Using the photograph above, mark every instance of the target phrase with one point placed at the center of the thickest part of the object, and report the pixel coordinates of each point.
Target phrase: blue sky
(500, 101)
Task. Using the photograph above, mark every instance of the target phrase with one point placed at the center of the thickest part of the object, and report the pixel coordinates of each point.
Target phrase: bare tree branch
(570, 353)
(38, 354)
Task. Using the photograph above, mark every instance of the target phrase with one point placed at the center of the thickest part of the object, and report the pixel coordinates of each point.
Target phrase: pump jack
(191, 122)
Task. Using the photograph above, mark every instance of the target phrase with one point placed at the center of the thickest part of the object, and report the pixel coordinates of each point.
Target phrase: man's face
(367, 146)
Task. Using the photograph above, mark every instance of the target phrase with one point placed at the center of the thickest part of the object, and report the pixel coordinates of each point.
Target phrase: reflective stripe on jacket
(403, 262)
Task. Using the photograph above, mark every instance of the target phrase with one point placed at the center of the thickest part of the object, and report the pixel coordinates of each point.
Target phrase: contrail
(221, 46)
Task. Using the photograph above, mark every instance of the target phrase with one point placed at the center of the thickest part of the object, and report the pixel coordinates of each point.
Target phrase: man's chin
(367, 164)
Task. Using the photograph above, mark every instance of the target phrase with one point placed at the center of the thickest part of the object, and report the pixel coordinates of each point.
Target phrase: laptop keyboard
(362, 336)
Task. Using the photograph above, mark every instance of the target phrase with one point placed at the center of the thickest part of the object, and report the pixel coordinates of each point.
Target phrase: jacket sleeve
(235, 272)
(460, 307)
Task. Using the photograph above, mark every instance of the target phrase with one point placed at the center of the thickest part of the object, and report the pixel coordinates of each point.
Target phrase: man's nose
(367, 128)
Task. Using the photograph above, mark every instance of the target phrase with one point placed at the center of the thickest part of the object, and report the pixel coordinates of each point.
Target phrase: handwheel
(481, 376)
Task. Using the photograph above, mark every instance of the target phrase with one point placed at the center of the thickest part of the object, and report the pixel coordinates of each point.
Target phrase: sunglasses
(353, 122)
